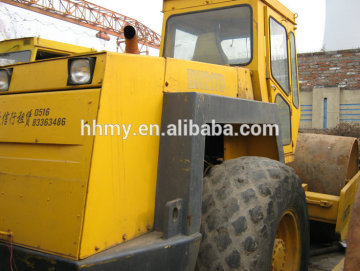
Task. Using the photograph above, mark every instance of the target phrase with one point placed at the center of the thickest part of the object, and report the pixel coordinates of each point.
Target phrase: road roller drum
(325, 162)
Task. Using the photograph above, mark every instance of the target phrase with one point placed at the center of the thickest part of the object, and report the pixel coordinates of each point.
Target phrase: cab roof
(12, 45)
(169, 5)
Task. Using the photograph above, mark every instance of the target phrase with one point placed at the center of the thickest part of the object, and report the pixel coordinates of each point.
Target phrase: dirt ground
(325, 262)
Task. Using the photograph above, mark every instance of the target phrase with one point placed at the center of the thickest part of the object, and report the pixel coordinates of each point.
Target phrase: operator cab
(258, 35)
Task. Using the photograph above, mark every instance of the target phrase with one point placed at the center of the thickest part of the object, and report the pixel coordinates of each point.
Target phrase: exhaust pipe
(131, 40)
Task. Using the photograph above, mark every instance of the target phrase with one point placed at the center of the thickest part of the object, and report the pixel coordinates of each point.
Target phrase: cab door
(281, 76)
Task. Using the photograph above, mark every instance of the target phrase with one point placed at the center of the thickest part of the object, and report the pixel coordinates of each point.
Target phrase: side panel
(190, 76)
(48, 75)
(322, 207)
(44, 167)
(347, 199)
(121, 197)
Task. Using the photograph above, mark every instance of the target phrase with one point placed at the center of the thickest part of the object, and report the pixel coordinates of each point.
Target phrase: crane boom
(91, 16)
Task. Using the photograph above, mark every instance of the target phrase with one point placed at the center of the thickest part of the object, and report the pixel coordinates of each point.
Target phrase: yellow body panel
(52, 118)
(190, 76)
(347, 198)
(44, 169)
(121, 196)
(322, 207)
(334, 209)
(49, 75)
(245, 88)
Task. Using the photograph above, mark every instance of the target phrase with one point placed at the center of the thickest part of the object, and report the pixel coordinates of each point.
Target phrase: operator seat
(207, 51)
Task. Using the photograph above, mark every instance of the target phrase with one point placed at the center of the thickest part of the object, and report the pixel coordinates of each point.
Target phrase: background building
(330, 80)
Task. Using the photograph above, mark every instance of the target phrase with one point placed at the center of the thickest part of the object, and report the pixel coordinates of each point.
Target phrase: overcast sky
(311, 18)
(16, 22)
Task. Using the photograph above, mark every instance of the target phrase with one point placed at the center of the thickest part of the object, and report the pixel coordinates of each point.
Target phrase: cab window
(43, 54)
(221, 36)
(294, 75)
(279, 55)
(285, 122)
(14, 57)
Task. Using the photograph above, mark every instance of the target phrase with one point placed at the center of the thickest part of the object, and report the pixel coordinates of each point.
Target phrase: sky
(310, 23)
(16, 22)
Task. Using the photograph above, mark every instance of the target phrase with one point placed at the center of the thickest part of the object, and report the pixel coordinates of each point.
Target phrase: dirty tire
(243, 202)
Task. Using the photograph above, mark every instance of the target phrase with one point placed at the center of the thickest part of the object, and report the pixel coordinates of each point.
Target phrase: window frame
(291, 136)
(213, 9)
(296, 72)
(287, 53)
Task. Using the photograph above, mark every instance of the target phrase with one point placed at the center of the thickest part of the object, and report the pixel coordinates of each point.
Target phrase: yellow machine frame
(74, 196)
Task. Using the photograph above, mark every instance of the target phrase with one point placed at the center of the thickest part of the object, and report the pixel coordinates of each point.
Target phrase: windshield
(221, 36)
(14, 57)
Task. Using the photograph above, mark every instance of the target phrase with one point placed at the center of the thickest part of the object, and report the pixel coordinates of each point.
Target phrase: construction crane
(92, 16)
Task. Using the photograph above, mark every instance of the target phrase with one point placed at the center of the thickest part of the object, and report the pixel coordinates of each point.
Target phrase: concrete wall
(327, 107)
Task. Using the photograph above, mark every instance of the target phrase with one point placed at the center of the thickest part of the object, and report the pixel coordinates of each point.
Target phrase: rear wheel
(254, 217)
(286, 249)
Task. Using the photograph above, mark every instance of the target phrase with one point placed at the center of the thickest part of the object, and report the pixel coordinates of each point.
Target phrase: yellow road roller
(115, 161)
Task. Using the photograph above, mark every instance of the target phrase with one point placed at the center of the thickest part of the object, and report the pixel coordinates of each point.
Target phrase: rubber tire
(243, 202)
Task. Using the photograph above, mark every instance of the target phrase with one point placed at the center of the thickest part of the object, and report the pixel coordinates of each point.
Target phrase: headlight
(81, 71)
(5, 77)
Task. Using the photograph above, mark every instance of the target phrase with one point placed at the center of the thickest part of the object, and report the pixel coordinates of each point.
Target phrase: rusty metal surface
(352, 256)
(131, 40)
(325, 162)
